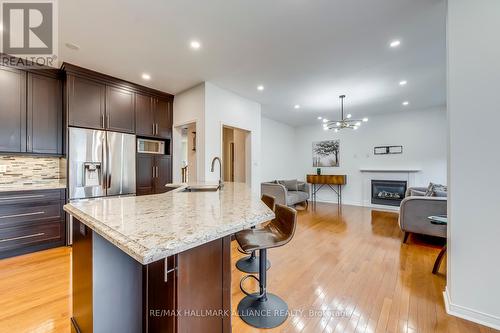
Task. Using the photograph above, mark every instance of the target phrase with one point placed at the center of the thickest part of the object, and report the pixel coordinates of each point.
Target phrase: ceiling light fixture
(195, 44)
(260, 88)
(403, 83)
(296, 106)
(405, 103)
(395, 43)
(325, 120)
(146, 76)
(344, 122)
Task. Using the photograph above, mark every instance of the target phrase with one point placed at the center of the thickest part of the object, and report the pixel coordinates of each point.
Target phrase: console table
(334, 182)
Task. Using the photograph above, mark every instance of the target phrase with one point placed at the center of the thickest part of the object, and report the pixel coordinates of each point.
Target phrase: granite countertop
(50, 184)
(153, 227)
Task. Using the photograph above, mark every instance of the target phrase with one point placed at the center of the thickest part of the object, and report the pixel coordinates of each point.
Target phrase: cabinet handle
(102, 120)
(156, 172)
(153, 172)
(19, 215)
(23, 197)
(153, 128)
(156, 128)
(107, 120)
(22, 237)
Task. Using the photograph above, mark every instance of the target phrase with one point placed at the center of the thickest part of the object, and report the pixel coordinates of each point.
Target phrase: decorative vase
(318, 171)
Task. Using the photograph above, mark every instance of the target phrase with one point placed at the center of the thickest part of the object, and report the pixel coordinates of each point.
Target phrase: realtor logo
(28, 28)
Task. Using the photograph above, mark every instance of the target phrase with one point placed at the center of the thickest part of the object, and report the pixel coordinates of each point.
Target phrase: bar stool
(263, 309)
(250, 264)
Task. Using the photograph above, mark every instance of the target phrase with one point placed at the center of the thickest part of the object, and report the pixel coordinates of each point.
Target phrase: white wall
(422, 134)
(473, 288)
(223, 107)
(279, 158)
(212, 107)
(189, 107)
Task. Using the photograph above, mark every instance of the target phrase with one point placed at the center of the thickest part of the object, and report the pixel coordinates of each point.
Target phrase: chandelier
(344, 122)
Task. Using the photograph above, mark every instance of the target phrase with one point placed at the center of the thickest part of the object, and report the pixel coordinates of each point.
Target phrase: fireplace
(388, 192)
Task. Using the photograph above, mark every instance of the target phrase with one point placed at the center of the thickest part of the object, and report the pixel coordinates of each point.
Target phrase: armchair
(283, 196)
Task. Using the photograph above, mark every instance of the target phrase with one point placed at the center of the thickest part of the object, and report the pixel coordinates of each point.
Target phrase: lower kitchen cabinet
(31, 221)
(153, 172)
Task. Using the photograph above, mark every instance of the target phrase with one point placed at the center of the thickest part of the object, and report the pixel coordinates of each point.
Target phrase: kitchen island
(158, 263)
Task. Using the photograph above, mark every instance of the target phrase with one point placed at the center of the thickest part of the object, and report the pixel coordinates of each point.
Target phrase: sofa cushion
(416, 193)
(291, 185)
(294, 197)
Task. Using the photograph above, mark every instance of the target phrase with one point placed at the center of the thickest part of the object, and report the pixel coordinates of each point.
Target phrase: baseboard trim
(469, 314)
(361, 204)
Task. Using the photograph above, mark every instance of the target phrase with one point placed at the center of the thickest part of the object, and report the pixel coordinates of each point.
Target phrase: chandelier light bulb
(338, 124)
(355, 127)
(349, 116)
(336, 130)
(319, 118)
(365, 120)
(358, 123)
(325, 120)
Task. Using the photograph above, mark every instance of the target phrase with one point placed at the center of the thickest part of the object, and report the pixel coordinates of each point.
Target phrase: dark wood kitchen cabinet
(44, 115)
(12, 110)
(31, 221)
(153, 116)
(31, 111)
(120, 115)
(86, 102)
(152, 173)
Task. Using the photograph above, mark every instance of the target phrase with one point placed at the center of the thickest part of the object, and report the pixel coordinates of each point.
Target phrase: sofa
(287, 196)
(415, 210)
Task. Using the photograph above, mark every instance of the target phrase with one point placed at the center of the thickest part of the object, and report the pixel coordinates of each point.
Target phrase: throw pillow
(441, 194)
(432, 188)
(291, 185)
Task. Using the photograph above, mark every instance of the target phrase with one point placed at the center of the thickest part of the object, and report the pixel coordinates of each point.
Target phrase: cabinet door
(163, 174)
(144, 174)
(144, 115)
(163, 118)
(85, 103)
(120, 114)
(44, 115)
(12, 110)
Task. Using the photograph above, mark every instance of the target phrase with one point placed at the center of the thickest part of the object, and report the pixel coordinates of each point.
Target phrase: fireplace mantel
(389, 170)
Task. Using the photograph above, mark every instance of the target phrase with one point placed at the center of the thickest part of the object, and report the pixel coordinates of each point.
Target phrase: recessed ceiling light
(146, 76)
(405, 103)
(260, 88)
(195, 44)
(319, 118)
(72, 46)
(403, 83)
(395, 43)
(296, 106)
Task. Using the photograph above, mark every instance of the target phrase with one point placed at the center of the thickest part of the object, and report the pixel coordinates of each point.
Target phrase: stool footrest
(253, 295)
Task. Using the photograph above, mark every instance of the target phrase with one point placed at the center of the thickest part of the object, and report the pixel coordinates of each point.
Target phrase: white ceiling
(304, 52)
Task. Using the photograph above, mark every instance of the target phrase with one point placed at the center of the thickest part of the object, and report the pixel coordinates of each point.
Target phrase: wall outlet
(3, 168)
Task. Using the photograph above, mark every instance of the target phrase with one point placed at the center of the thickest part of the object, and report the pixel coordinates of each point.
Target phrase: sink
(201, 188)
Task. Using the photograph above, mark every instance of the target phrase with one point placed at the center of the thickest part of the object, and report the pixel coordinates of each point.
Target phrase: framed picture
(326, 153)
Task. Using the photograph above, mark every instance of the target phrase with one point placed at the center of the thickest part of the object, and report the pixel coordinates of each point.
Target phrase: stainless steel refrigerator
(101, 163)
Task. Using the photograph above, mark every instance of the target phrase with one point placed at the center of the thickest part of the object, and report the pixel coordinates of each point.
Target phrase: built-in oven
(149, 146)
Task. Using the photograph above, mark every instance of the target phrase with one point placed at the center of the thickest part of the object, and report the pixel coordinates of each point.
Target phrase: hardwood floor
(35, 292)
(349, 270)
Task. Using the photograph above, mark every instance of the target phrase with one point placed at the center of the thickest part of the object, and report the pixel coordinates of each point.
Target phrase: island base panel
(113, 292)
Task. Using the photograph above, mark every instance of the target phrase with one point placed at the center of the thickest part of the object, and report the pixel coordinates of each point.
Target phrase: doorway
(188, 153)
(235, 154)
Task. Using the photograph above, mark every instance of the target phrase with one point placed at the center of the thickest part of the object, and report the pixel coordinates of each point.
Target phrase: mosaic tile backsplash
(30, 169)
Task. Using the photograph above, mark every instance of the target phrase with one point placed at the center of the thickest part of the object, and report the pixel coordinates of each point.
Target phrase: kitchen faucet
(221, 183)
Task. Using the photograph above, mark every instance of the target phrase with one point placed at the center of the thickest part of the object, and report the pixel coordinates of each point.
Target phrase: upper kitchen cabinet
(86, 102)
(44, 115)
(163, 118)
(120, 114)
(100, 101)
(12, 110)
(144, 115)
(153, 116)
